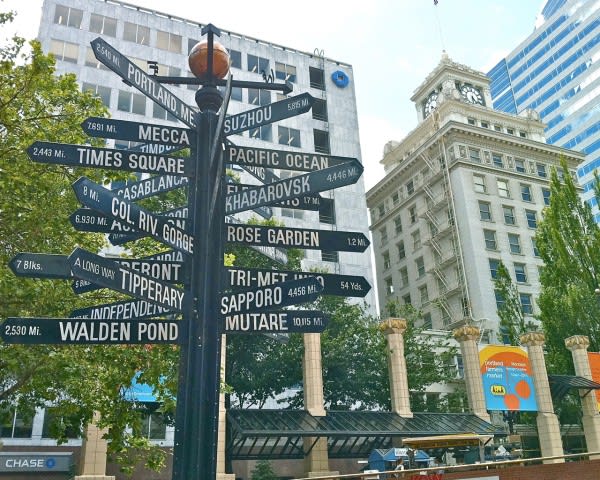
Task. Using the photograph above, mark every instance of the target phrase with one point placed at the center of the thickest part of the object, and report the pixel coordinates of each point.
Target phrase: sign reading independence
(136, 77)
(126, 310)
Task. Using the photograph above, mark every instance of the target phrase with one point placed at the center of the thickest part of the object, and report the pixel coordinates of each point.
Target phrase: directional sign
(306, 202)
(40, 265)
(305, 238)
(286, 108)
(126, 310)
(85, 332)
(282, 159)
(162, 229)
(283, 321)
(231, 187)
(276, 254)
(136, 77)
(333, 283)
(149, 187)
(110, 274)
(93, 157)
(294, 187)
(271, 297)
(136, 132)
(177, 217)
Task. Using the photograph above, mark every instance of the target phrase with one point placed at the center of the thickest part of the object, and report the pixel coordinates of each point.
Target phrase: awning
(560, 385)
(261, 434)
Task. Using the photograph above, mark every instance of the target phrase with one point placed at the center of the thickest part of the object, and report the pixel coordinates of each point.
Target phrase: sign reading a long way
(104, 201)
(135, 76)
(301, 185)
(110, 274)
(93, 157)
(136, 132)
(83, 332)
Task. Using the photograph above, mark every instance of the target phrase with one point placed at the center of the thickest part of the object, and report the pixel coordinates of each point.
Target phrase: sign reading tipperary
(282, 159)
(136, 77)
(83, 332)
(110, 274)
(104, 201)
(271, 297)
(284, 321)
(149, 187)
(330, 240)
(333, 283)
(286, 108)
(136, 132)
(125, 310)
(93, 157)
(301, 185)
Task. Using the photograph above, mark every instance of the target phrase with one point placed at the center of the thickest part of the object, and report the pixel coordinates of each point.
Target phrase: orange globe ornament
(198, 60)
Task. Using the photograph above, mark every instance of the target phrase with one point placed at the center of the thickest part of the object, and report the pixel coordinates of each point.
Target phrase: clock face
(431, 103)
(471, 94)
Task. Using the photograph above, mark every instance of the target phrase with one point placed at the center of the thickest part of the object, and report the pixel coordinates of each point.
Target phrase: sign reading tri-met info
(507, 380)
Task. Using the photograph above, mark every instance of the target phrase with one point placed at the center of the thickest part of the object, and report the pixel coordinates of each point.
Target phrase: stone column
(578, 344)
(394, 329)
(316, 460)
(92, 461)
(468, 337)
(547, 421)
(221, 439)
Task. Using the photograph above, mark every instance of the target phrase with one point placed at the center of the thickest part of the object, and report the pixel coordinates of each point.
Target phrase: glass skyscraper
(555, 71)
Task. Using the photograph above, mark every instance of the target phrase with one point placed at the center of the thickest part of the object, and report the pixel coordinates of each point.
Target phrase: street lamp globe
(198, 60)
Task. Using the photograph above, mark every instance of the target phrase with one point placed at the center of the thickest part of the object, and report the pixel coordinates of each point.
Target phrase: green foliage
(263, 471)
(568, 241)
(512, 321)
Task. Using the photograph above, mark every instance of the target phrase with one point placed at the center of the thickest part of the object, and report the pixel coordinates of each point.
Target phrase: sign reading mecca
(507, 381)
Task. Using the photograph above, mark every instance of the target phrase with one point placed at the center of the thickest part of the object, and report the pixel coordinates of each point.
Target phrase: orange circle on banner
(198, 59)
(523, 389)
(511, 401)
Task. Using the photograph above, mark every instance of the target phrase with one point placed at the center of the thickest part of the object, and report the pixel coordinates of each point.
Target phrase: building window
(389, 286)
(427, 323)
(259, 97)
(509, 215)
(485, 212)
(52, 420)
(395, 199)
(531, 218)
(258, 64)
(162, 114)
(474, 155)
(497, 160)
(70, 17)
(416, 236)
(490, 239)
(321, 139)
(526, 193)
(541, 170)
(406, 299)
(383, 235)
(498, 128)
(500, 300)
(329, 256)
(264, 132)
(152, 426)
(236, 93)
(102, 92)
(520, 165)
(103, 25)
(398, 225)
(381, 210)
(410, 187)
(92, 61)
(514, 243)
(494, 264)
(520, 273)
(285, 72)
(471, 121)
(288, 136)
(65, 51)
(131, 102)
(503, 189)
(522, 134)
(485, 124)
(401, 250)
(546, 195)
(536, 252)
(404, 276)
(292, 213)
(235, 57)
(327, 211)
(136, 33)
(420, 264)
(317, 78)
(526, 304)
(510, 131)
(386, 260)
(423, 294)
(412, 213)
(319, 109)
(479, 183)
(15, 425)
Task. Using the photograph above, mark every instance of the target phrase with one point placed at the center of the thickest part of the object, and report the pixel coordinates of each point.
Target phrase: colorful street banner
(507, 379)
(594, 359)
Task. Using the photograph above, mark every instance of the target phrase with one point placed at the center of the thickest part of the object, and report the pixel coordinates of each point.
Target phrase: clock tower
(451, 81)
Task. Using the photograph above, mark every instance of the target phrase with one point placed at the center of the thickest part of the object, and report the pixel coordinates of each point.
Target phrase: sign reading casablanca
(507, 380)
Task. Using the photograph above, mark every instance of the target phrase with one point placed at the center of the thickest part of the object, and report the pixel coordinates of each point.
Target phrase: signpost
(85, 332)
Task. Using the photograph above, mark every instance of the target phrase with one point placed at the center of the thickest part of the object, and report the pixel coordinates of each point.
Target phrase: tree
(263, 471)
(512, 321)
(568, 240)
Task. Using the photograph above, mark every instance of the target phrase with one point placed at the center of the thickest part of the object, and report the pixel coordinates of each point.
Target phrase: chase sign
(33, 462)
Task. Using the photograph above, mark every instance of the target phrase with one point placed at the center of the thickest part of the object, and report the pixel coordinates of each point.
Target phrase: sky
(391, 44)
